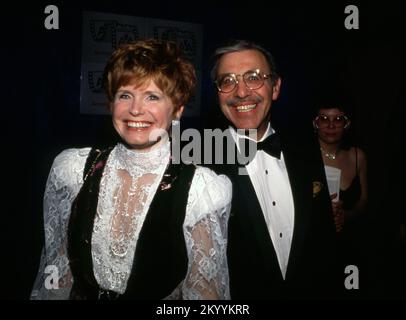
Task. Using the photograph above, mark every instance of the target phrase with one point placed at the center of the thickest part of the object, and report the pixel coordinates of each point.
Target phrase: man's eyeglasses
(323, 121)
(253, 80)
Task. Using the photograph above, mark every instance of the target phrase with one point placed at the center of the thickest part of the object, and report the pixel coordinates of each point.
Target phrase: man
(281, 229)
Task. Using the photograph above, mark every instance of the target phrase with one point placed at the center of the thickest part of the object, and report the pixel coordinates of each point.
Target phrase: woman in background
(349, 207)
(331, 125)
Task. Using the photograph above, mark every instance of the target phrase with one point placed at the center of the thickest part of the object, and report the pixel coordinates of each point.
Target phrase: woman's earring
(174, 134)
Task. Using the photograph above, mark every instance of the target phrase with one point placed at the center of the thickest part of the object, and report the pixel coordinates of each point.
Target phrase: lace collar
(138, 160)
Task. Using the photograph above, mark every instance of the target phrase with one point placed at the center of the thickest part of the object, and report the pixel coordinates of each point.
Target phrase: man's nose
(242, 90)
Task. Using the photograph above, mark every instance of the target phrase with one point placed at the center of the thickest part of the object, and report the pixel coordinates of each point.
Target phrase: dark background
(40, 83)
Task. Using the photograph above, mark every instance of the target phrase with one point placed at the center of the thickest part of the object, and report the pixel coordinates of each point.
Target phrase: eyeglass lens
(252, 79)
(324, 121)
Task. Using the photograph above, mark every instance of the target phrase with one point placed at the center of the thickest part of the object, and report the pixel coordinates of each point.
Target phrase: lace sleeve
(205, 230)
(54, 279)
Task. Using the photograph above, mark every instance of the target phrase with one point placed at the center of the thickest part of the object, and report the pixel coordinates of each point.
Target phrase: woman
(126, 222)
(354, 245)
(331, 124)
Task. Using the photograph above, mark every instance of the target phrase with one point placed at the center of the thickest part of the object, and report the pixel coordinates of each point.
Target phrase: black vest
(160, 259)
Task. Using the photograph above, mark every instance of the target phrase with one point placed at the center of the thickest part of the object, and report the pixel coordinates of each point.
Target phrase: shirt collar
(236, 136)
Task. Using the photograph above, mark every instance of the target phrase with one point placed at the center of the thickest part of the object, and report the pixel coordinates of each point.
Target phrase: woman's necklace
(329, 155)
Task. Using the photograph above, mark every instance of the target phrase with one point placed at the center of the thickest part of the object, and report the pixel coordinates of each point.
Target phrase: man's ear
(178, 113)
(276, 89)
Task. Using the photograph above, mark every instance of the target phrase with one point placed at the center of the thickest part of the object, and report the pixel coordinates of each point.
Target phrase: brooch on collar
(167, 181)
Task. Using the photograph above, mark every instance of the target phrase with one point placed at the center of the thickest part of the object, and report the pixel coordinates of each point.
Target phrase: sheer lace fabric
(129, 182)
(128, 185)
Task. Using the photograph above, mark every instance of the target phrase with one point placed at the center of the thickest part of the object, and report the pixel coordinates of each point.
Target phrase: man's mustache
(238, 101)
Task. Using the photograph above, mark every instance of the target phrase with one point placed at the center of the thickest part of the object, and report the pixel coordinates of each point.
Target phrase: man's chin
(244, 126)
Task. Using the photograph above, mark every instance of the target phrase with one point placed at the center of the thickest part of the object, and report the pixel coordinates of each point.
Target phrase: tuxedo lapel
(247, 206)
(253, 264)
(300, 182)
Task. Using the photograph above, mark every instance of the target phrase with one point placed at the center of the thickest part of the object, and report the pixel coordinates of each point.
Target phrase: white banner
(103, 33)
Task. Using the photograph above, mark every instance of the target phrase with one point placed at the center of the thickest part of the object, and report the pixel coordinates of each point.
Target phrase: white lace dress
(129, 182)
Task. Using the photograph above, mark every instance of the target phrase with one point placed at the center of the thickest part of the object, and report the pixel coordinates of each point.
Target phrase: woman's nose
(331, 124)
(136, 107)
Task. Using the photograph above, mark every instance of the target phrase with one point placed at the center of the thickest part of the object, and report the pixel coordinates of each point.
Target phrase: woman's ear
(315, 125)
(178, 113)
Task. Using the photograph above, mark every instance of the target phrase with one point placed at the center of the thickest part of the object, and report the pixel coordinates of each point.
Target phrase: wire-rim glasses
(323, 121)
(253, 80)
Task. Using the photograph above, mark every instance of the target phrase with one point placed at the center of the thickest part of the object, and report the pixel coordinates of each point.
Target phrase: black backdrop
(40, 102)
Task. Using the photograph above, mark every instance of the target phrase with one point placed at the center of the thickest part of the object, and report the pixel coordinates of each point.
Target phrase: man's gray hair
(241, 45)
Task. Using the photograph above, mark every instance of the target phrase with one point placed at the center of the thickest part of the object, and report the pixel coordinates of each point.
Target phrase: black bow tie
(271, 145)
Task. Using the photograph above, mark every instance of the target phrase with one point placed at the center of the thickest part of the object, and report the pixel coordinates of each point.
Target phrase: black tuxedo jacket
(253, 264)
